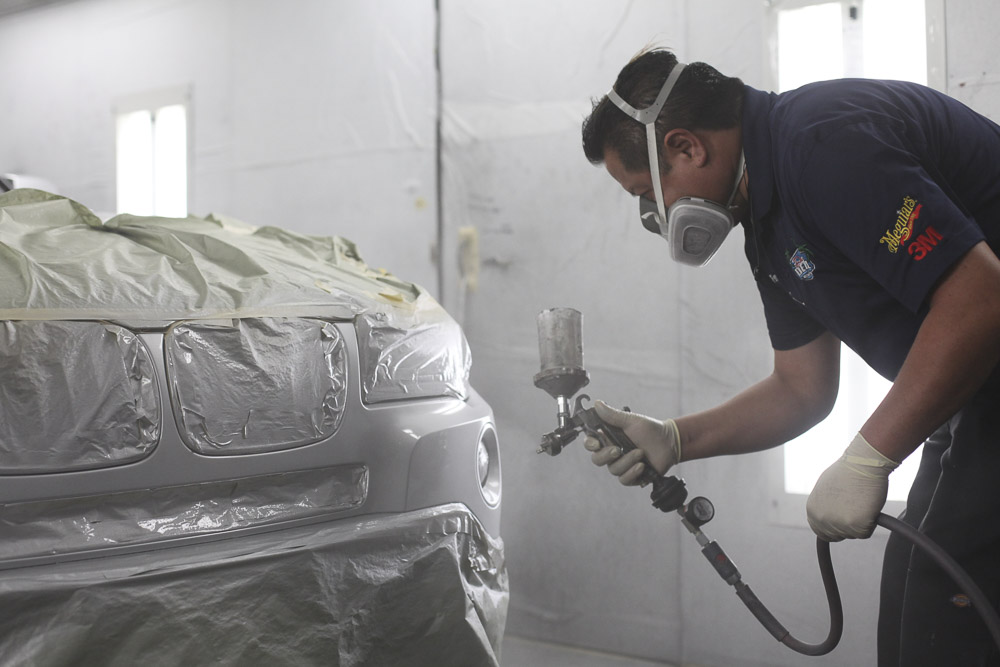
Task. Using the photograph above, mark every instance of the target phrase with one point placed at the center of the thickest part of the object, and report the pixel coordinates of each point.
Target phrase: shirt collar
(756, 134)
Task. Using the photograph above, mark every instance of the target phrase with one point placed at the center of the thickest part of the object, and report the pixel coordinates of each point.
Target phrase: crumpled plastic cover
(74, 395)
(424, 588)
(431, 359)
(35, 532)
(256, 384)
(58, 261)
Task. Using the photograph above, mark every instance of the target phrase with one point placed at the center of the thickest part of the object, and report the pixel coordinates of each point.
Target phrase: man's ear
(684, 145)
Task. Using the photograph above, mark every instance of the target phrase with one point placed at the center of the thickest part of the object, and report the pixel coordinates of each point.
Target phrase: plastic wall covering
(49, 528)
(74, 395)
(257, 385)
(432, 359)
(424, 588)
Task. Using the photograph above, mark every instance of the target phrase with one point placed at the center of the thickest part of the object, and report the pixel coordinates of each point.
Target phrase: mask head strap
(648, 118)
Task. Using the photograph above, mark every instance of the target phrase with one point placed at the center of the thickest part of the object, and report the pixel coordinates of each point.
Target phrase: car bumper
(422, 587)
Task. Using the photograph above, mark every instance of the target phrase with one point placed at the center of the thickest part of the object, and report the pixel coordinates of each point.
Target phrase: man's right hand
(658, 443)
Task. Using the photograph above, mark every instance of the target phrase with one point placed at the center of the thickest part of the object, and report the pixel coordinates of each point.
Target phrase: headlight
(399, 361)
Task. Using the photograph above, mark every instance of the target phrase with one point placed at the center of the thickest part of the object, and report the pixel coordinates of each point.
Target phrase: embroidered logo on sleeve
(897, 236)
(801, 262)
(924, 243)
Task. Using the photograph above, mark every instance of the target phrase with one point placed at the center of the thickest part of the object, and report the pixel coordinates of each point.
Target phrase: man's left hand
(847, 498)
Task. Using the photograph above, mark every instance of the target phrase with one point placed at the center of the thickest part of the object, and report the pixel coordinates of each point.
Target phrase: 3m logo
(924, 243)
(901, 232)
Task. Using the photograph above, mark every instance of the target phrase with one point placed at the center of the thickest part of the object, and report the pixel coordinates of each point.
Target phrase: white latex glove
(847, 498)
(658, 443)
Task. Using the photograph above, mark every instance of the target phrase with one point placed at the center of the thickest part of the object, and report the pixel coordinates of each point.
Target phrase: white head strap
(648, 118)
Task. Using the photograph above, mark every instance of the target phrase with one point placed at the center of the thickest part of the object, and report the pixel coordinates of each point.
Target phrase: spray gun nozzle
(554, 441)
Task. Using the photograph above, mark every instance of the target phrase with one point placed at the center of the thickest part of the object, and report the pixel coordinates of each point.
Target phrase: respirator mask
(695, 228)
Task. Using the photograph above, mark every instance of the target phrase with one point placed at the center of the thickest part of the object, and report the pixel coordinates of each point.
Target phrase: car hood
(60, 261)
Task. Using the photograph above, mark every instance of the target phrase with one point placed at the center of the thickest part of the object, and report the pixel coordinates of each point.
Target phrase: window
(823, 40)
(151, 148)
(875, 39)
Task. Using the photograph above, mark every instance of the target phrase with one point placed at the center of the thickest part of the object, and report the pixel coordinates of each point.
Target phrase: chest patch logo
(801, 262)
(897, 236)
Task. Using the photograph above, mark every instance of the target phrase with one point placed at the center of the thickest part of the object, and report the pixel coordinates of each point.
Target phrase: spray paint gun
(560, 348)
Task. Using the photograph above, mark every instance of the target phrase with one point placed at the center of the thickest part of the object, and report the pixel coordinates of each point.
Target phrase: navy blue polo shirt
(863, 194)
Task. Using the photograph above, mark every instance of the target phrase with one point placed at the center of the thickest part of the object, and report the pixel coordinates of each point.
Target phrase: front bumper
(423, 587)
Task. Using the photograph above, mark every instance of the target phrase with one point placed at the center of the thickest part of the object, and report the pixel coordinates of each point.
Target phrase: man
(871, 213)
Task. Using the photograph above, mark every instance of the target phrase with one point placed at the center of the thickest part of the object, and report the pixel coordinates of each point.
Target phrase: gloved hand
(657, 442)
(847, 498)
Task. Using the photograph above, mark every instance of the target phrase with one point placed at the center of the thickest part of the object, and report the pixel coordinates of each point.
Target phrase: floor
(519, 652)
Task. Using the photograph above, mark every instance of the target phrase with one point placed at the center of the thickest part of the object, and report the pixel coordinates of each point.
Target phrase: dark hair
(702, 99)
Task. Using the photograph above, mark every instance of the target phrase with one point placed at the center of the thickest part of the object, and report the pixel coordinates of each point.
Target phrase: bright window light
(895, 40)
(813, 45)
(170, 161)
(810, 45)
(861, 391)
(135, 163)
(151, 152)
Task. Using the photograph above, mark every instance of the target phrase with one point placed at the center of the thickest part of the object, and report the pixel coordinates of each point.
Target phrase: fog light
(483, 457)
(488, 465)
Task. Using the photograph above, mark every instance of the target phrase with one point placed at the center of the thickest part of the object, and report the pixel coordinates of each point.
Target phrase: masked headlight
(420, 361)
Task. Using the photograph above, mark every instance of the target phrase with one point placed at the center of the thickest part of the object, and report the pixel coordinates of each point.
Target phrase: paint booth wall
(315, 115)
(320, 116)
(591, 563)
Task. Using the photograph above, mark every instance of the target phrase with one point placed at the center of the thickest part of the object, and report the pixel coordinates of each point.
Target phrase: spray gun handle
(668, 494)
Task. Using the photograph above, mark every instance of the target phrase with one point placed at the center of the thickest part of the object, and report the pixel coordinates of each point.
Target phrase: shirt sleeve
(873, 193)
(788, 324)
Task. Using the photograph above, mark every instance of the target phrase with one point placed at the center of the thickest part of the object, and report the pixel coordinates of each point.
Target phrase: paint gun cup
(560, 350)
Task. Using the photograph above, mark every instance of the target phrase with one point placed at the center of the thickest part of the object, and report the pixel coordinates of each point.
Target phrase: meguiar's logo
(897, 236)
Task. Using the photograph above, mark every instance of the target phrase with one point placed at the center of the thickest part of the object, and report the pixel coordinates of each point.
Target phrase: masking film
(34, 532)
(93, 383)
(431, 359)
(256, 385)
(257, 523)
(151, 271)
(417, 588)
(66, 264)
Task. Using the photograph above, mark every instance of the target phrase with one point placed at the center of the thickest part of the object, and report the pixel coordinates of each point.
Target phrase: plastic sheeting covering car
(66, 264)
(94, 384)
(411, 589)
(65, 529)
(291, 386)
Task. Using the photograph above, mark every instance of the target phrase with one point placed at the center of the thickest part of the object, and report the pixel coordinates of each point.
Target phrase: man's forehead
(633, 181)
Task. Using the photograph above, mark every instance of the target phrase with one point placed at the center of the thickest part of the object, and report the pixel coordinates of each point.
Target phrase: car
(230, 444)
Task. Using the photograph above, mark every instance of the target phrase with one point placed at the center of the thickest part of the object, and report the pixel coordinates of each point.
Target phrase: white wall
(315, 115)
(319, 115)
